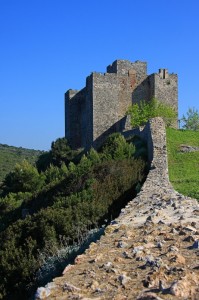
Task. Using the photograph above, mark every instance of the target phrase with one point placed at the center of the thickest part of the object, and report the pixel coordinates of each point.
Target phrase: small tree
(145, 110)
(117, 148)
(24, 178)
(61, 152)
(191, 122)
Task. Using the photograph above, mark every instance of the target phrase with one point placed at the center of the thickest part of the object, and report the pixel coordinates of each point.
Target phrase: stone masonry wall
(149, 252)
(75, 112)
(166, 89)
(122, 67)
(105, 97)
(111, 98)
(143, 91)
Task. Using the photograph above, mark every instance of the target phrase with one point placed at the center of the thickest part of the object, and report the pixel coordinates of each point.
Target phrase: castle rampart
(99, 109)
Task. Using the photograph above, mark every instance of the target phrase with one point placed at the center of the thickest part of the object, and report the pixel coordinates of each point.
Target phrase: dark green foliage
(24, 178)
(11, 208)
(116, 147)
(61, 152)
(140, 146)
(44, 161)
(73, 200)
(94, 156)
(55, 174)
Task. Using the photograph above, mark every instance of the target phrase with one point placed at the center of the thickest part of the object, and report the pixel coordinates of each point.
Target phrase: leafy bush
(24, 178)
(142, 112)
(60, 153)
(55, 174)
(191, 122)
(116, 147)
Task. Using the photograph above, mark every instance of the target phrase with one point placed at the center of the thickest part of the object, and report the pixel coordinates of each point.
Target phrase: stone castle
(99, 108)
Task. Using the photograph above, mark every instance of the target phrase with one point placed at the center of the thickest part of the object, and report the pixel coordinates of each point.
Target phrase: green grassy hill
(183, 167)
(10, 155)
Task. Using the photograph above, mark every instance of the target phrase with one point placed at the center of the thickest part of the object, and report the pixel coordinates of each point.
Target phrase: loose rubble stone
(178, 259)
(137, 249)
(126, 255)
(159, 244)
(173, 248)
(70, 287)
(190, 228)
(42, 293)
(195, 245)
(108, 264)
(189, 238)
(149, 296)
(122, 244)
(67, 268)
(123, 279)
(181, 289)
(187, 148)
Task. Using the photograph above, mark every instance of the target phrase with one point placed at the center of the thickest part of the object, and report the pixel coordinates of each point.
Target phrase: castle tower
(166, 87)
(99, 109)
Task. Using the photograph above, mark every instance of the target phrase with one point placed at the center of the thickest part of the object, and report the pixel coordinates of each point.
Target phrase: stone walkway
(151, 251)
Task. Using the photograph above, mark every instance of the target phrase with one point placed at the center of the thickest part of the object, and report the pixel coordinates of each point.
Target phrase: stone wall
(154, 134)
(149, 252)
(111, 98)
(122, 67)
(105, 97)
(143, 91)
(74, 104)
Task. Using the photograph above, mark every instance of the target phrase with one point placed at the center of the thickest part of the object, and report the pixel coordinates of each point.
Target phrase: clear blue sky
(49, 46)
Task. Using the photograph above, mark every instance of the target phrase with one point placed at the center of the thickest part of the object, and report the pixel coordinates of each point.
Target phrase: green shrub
(24, 178)
(61, 152)
(117, 148)
(191, 122)
(55, 174)
(142, 112)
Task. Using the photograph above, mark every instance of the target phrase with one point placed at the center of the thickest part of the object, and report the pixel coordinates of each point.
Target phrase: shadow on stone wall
(144, 132)
(116, 127)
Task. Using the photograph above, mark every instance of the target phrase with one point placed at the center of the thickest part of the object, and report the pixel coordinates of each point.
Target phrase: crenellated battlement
(163, 73)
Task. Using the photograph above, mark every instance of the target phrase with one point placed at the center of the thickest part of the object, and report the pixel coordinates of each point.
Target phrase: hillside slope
(184, 161)
(10, 155)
